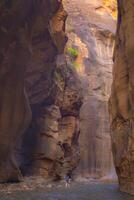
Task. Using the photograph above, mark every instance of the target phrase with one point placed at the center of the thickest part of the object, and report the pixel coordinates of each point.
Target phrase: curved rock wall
(40, 96)
(91, 31)
(121, 102)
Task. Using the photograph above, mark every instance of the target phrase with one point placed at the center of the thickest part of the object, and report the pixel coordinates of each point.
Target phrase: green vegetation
(58, 77)
(75, 65)
(72, 52)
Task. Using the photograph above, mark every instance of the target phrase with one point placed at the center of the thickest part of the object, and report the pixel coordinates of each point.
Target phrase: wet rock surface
(91, 33)
(77, 191)
(121, 103)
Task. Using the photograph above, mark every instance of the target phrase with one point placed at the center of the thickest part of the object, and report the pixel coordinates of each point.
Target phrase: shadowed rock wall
(122, 98)
(40, 96)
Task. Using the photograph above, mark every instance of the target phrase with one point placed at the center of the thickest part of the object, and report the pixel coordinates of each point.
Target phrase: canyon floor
(77, 191)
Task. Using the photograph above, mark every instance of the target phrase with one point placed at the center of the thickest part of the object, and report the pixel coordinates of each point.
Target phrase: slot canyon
(66, 100)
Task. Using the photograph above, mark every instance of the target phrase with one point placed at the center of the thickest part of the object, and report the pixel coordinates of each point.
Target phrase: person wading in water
(68, 179)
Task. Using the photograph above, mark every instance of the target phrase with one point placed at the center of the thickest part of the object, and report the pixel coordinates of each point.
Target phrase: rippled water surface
(78, 191)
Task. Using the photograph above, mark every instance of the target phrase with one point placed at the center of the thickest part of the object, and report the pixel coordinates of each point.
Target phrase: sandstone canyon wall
(91, 31)
(121, 103)
(40, 96)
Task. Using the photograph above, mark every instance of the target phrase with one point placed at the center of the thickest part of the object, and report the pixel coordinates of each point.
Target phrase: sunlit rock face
(111, 5)
(121, 104)
(40, 96)
(91, 30)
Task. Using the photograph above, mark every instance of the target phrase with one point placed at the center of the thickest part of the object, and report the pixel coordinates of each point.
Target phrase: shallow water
(78, 191)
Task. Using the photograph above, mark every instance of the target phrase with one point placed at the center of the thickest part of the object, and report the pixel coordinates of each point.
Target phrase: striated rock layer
(91, 30)
(121, 103)
(40, 96)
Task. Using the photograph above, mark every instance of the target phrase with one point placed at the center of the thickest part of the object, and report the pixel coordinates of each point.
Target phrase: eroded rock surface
(122, 101)
(40, 96)
(91, 31)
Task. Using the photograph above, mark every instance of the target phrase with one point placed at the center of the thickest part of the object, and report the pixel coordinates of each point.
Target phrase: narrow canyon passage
(66, 100)
(91, 31)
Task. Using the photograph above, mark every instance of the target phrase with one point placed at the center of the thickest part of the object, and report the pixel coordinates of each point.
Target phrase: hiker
(67, 179)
